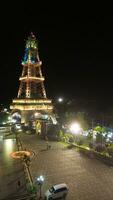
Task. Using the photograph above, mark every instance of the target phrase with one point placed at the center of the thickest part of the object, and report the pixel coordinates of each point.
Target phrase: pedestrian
(47, 145)
(46, 138)
(18, 183)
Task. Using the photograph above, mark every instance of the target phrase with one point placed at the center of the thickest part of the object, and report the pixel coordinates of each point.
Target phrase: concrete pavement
(88, 179)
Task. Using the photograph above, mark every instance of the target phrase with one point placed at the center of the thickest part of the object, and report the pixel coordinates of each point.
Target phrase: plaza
(87, 179)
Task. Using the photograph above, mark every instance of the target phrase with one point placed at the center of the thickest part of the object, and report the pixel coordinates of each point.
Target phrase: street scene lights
(40, 181)
(60, 99)
(76, 131)
(75, 128)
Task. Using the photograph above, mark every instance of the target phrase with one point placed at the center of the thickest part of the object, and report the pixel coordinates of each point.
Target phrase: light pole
(40, 181)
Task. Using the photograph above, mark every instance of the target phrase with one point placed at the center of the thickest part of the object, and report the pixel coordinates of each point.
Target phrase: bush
(71, 139)
(110, 151)
(100, 147)
(60, 134)
(91, 145)
(63, 139)
(80, 142)
(70, 146)
(31, 189)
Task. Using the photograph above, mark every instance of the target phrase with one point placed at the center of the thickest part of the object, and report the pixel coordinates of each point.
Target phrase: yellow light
(31, 77)
(31, 101)
(35, 107)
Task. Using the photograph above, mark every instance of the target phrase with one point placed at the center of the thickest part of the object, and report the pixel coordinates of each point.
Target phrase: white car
(57, 191)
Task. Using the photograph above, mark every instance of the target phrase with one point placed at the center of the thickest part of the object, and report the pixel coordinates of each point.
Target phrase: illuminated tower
(31, 99)
(31, 81)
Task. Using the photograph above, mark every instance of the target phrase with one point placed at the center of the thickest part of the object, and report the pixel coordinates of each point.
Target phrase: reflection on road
(11, 170)
(8, 148)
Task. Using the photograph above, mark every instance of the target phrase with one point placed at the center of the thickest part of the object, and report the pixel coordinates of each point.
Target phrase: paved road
(88, 179)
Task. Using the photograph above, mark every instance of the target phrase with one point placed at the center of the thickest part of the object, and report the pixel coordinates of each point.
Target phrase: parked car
(57, 191)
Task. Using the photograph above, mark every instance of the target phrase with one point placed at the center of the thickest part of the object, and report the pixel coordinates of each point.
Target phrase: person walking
(47, 143)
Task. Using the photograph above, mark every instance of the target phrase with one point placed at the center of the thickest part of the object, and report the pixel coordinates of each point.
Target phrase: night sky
(75, 46)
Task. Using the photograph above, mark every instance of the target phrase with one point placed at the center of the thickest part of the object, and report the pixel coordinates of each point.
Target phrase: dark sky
(75, 46)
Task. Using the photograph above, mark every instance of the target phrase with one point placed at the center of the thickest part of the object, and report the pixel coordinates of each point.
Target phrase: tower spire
(31, 80)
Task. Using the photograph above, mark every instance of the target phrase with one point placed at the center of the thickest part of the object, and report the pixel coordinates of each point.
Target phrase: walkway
(88, 179)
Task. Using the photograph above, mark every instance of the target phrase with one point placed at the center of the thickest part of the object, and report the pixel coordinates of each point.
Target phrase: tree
(82, 119)
(4, 117)
(100, 134)
(69, 117)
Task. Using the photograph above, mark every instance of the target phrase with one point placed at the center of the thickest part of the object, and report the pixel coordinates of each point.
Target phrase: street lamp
(75, 128)
(40, 181)
(60, 99)
(36, 114)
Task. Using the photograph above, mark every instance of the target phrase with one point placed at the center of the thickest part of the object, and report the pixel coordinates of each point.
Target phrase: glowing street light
(36, 114)
(40, 181)
(75, 128)
(9, 118)
(5, 109)
(60, 99)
